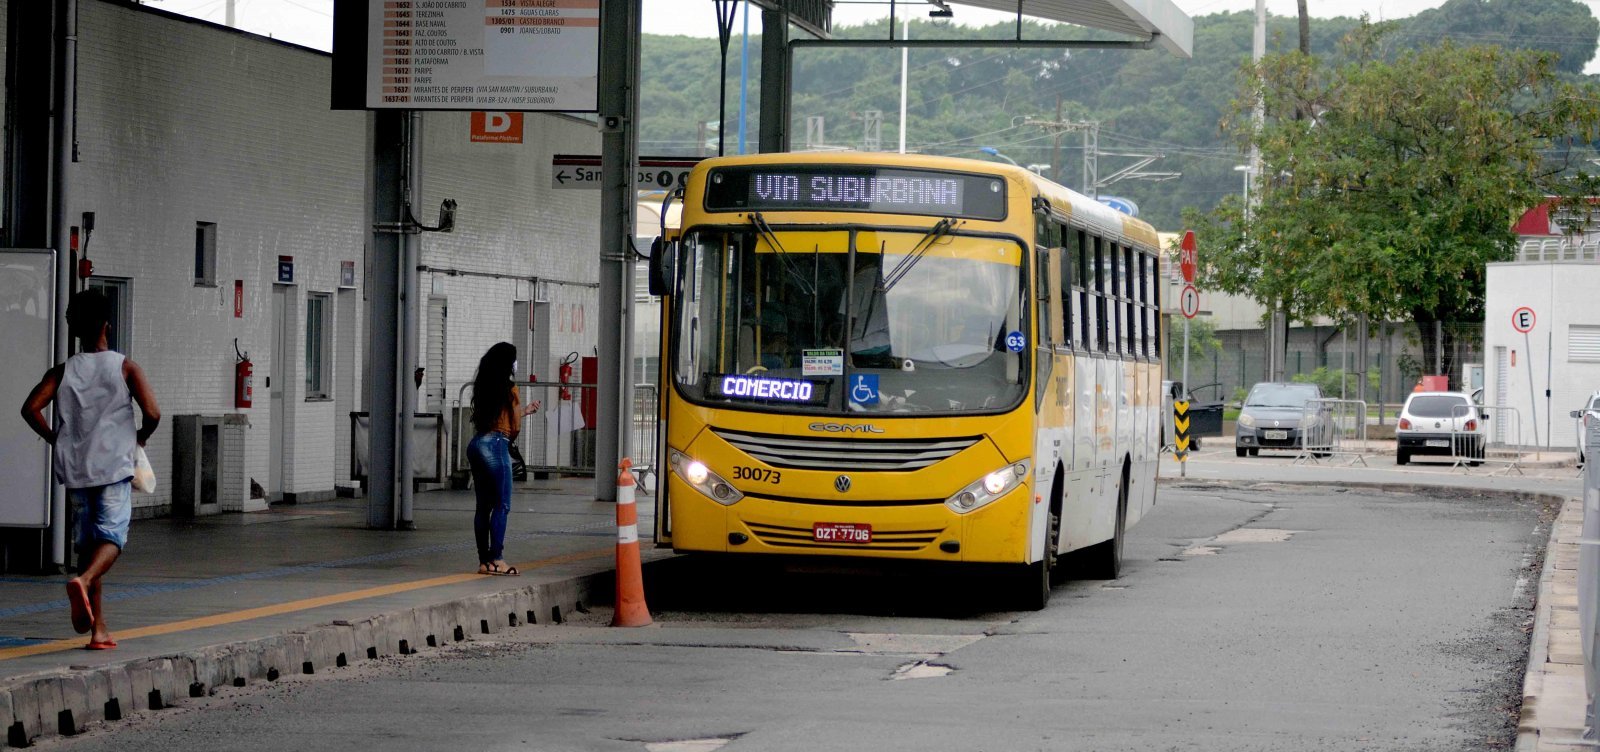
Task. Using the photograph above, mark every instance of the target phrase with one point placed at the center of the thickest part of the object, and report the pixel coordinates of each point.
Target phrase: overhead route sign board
(569, 171)
(501, 55)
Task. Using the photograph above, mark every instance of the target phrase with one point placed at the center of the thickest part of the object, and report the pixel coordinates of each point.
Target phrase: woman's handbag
(519, 469)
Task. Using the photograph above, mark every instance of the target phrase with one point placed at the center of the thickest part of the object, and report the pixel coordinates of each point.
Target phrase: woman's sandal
(506, 569)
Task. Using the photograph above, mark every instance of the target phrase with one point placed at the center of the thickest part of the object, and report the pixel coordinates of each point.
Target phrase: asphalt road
(1247, 618)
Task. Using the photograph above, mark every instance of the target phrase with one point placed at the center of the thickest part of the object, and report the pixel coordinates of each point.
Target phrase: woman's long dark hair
(491, 388)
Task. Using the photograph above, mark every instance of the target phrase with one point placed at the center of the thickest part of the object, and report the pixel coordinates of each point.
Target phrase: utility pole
(1091, 147)
(1092, 182)
(1055, 153)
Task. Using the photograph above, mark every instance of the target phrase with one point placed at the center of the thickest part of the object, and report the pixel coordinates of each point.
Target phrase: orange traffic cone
(631, 610)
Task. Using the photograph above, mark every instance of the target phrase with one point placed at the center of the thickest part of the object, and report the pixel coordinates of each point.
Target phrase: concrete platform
(243, 598)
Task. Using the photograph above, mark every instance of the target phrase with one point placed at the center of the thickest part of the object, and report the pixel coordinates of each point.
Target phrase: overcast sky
(309, 22)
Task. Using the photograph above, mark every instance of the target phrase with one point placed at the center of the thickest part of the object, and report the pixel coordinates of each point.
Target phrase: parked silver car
(1440, 423)
(1274, 417)
(1587, 418)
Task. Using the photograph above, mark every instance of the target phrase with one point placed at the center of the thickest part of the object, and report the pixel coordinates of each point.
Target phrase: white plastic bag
(144, 477)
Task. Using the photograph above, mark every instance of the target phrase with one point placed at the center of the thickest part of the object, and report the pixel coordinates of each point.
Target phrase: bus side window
(1119, 323)
(1142, 294)
(1155, 307)
(1085, 285)
(1102, 338)
(1069, 302)
(1047, 236)
(1152, 316)
(1131, 344)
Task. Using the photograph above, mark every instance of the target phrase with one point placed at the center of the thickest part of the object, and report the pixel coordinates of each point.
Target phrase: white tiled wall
(181, 121)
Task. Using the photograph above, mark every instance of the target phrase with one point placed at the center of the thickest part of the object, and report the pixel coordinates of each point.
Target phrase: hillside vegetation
(1145, 101)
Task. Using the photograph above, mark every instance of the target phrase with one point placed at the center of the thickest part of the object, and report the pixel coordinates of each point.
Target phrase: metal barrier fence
(558, 439)
(1333, 427)
(427, 446)
(1589, 584)
(1470, 445)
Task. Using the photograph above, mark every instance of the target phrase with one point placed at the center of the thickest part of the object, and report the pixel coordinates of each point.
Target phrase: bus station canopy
(1160, 21)
(1169, 26)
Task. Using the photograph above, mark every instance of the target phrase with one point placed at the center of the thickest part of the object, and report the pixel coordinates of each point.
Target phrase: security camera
(447, 215)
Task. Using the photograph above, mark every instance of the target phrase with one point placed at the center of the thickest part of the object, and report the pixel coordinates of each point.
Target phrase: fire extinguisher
(565, 375)
(244, 380)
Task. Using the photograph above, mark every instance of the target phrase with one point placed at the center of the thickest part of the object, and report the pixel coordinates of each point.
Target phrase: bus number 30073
(757, 474)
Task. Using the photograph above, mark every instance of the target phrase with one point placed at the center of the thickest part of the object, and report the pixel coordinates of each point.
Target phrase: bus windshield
(851, 321)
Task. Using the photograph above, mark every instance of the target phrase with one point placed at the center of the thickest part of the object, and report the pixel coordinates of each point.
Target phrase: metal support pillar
(619, 152)
(39, 133)
(391, 149)
(776, 59)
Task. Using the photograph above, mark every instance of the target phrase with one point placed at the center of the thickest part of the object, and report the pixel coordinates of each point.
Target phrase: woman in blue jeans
(496, 420)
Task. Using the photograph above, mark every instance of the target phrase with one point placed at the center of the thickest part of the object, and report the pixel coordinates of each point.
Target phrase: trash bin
(1205, 418)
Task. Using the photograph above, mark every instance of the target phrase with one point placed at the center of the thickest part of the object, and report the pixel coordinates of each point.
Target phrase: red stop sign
(1188, 256)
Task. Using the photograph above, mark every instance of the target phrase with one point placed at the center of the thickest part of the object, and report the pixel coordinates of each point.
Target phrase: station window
(319, 346)
(205, 254)
(120, 337)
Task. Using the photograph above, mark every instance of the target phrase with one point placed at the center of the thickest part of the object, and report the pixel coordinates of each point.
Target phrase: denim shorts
(103, 513)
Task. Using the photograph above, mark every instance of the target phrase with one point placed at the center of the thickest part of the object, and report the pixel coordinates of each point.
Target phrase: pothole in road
(708, 744)
(911, 644)
(1254, 535)
(920, 670)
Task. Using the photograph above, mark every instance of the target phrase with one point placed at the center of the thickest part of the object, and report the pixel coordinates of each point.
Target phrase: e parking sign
(1523, 319)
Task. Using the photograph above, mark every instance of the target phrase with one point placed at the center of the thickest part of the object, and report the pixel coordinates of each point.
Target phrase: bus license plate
(841, 532)
(1276, 435)
(1441, 443)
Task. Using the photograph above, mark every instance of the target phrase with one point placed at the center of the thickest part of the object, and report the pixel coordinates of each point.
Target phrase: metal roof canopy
(1158, 22)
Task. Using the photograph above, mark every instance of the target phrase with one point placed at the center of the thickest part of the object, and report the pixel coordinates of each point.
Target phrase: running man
(94, 439)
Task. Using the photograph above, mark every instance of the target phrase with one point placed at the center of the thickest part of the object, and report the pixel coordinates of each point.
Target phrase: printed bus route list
(529, 52)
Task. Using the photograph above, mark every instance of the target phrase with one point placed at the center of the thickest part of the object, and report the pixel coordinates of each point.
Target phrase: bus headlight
(695, 473)
(989, 487)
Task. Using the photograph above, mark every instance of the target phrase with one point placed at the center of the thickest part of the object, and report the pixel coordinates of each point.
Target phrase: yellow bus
(886, 356)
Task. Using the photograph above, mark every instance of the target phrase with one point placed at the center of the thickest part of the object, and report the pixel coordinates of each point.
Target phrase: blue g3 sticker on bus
(1015, 342)
(864, 389)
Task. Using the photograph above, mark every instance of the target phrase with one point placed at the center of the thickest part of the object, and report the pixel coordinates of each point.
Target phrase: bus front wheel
(1033, 582)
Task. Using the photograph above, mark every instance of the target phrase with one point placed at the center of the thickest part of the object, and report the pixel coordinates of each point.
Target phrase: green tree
(1203, 343)
(1390, 200)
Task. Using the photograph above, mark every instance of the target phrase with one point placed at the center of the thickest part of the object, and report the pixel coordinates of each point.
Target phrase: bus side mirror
(663, 266)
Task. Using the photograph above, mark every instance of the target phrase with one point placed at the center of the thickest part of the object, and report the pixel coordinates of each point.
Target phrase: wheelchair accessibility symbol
(864, 389)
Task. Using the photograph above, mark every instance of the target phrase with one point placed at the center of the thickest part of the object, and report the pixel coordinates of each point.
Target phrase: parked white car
(1587, 418)
(1440, 423)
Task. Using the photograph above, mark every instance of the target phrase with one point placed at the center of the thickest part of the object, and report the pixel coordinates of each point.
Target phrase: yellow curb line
(291, 607)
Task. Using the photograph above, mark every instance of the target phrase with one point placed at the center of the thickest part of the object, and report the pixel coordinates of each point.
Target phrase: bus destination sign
(765, 389)
(856, 188)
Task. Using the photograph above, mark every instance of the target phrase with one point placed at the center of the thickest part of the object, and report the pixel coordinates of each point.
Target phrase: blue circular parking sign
(1015, 342)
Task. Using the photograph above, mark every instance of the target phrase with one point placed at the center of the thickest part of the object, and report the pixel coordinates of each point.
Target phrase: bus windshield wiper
(766, 233)
(900, 270)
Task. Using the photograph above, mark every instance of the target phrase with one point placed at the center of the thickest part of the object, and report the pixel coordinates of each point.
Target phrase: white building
(1556, 277)
(212, 160)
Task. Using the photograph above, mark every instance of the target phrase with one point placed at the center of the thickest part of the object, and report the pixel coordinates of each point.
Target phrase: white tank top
(96, 440)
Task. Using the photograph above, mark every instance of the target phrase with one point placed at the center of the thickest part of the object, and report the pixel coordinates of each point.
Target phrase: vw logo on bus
(841, 483)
